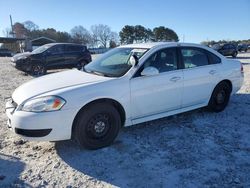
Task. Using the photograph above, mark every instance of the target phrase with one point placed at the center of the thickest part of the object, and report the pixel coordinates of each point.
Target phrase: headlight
(43, 104)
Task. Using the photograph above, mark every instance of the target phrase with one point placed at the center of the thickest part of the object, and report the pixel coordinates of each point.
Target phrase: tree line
(99, 35)
(134, 34)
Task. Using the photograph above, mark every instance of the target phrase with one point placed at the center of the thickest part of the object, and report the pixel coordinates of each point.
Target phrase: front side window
(194, 57)
(57, 49)
(114, 63)
(164, 60)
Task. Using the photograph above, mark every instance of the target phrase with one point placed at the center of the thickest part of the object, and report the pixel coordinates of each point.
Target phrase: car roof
(58, 43)
(145, 45)
(158, 44)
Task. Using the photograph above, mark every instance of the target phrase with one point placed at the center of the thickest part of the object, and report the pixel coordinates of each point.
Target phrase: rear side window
(72, 48)
(213, 59)
(194, 57)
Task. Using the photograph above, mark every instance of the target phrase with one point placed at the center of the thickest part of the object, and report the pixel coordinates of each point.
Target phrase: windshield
(41, 49)
(114, 63)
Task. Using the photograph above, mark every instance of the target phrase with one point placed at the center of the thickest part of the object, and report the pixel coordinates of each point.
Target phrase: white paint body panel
(143, 98)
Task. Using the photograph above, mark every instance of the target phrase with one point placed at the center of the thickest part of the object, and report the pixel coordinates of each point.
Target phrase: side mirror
(150, 71)
(133, 60)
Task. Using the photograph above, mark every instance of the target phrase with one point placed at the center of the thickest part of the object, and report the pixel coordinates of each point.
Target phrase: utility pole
(11, 24)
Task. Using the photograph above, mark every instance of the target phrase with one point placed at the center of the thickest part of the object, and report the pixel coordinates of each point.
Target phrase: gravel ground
(194, 149)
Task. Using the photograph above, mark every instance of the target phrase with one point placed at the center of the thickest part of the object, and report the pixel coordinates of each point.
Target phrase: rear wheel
(97, 126)
(234, 54)
(81, 64)
(38, 69)
(220, 97)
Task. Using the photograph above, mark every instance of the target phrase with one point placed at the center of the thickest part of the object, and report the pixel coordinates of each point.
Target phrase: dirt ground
(194, 149)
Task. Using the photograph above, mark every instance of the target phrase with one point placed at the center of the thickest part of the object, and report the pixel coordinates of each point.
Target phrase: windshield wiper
(98, 73)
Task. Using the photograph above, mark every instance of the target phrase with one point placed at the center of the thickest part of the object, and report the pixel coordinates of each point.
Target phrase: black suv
(52, 56)
(242, 47)
(226, 49)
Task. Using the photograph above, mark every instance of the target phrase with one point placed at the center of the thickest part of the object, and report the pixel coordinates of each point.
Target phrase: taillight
(241, 68)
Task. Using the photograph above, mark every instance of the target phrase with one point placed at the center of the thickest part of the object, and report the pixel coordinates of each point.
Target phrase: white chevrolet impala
(125, 86)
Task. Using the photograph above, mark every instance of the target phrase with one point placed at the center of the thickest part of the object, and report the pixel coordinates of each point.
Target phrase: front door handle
(175, 78)
(212, 72)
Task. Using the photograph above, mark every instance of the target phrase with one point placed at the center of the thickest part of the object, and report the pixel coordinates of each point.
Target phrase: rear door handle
(175, 78)
(212, 72)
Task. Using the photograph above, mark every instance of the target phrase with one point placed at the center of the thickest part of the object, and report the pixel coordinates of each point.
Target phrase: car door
(227, 50)
(151, 95)
(72, 55)
(55, 56)
(232, 49)
(200, 76)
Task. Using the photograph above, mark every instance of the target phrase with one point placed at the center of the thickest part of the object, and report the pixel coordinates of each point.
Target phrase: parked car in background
(5, 52)
(226, 49)
(52, 56)
(127, 85)
(242, 47)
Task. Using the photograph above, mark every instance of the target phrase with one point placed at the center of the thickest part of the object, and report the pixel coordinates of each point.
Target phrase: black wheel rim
(38, 70)
(220, 97)
(99, 126)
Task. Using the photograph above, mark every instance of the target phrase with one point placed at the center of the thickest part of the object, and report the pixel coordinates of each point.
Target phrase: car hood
(53, 82)
(21, 55)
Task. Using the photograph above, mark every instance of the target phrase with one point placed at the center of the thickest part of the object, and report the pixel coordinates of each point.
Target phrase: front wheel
(97, 126)
(38, 70)
(220, 97)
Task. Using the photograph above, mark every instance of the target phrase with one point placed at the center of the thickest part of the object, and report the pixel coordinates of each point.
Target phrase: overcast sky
(192, 20)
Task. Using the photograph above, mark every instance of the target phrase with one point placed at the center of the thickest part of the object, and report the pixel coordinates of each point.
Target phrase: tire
(220, 97)
(97, 126)
(81, 64)
(38, 70)
(234, 54)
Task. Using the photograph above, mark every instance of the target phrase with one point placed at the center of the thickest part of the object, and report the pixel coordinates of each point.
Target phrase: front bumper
(33, 133)
(22, 65)
(43, 126)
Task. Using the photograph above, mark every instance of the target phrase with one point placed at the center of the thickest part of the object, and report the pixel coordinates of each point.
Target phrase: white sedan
(128, 85)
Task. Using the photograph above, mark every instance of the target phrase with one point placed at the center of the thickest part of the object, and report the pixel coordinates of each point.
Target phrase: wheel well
(116, 104)
(229, 83)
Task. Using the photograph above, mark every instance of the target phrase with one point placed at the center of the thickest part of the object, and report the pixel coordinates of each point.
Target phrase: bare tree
(7, 32)
(101, 34)
(115, 37)
(31, 26)
(80, 35)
